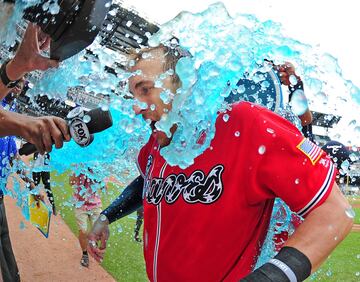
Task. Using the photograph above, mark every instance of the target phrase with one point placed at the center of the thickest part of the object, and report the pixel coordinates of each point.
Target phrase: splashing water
(262, 150)
(299, 103)
(219, 59)
(350, 212)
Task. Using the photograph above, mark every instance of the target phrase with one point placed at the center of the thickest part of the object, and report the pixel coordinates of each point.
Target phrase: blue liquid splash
(223, 49)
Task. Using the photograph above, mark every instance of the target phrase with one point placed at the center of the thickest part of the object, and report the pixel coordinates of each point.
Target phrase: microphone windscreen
(27, 149)
(99, 120)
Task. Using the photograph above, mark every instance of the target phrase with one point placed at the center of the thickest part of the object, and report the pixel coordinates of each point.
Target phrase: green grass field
(343, 265)
(124, 257)
(356, 203)
(357, 217)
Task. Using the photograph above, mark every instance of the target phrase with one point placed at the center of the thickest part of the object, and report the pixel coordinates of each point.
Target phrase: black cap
(337, 152)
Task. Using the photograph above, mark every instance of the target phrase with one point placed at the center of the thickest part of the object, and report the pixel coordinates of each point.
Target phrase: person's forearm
(10, 123)
(310, 245)
(306, 118)
(129, 201)
(3, 90)
(14, 70)
(323, 229)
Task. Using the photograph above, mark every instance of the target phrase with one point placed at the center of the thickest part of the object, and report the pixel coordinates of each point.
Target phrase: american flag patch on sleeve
(312, 151)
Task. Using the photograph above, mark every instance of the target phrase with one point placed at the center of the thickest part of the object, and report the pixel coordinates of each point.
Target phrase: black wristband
(129, 201)
(289, 265)
(4, 77)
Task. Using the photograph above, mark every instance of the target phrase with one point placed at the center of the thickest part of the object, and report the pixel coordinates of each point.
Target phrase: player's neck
(161, 137)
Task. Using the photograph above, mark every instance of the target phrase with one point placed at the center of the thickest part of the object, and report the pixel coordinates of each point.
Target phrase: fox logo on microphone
(80, 132)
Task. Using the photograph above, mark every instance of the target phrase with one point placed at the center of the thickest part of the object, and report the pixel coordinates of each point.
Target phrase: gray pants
(9, 270)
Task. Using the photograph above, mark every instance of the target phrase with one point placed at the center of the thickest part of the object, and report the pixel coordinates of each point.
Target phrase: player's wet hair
(172, 51)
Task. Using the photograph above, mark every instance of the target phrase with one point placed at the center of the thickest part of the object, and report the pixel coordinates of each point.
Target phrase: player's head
(154, 73)
(338, 153)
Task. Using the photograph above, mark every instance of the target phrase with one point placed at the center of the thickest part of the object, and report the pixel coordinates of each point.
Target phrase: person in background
(43, 132)
(41, 172)
(87, 207)
(340, 155)
(10, 161)
(288, 77)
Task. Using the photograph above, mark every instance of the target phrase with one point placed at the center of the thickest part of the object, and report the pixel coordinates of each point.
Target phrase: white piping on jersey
(139, 169)
(322, 191)
(158, 230)
(278, 91)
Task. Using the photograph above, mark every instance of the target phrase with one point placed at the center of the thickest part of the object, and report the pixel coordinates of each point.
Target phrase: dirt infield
(54, 259)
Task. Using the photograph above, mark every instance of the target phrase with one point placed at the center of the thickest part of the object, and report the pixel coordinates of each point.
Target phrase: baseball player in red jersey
(208, 222)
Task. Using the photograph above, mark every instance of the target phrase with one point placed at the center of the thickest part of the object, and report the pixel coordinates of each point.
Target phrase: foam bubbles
(299, 103)
(86, 118)
(350, 212)
(226, 117)
(262, 150)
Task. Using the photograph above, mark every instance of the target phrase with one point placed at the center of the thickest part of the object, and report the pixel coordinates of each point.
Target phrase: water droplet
(262, 150)
(335, 238)
(297, 181)
(293, 80)
(353, 157)
(241, 89)
(113, 12)
(104, 107)
(152, 107)
(357, 273)
(350, 212)
(358, 256)
(352, 123)
(328, 273)
(270, 130)
(226, 117)
(345, 166)
(357, 129)
(298, 103)
(119, 230)
(86, 118)
(237, 133)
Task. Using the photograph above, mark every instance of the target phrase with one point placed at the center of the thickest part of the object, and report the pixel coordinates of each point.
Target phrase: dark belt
(1, 198)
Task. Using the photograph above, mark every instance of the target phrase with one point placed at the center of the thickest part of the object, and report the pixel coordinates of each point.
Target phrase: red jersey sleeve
(143, 156)
(284, 164)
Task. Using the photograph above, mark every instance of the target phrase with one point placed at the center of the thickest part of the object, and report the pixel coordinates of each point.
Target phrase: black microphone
(73, 28)
(82, 126)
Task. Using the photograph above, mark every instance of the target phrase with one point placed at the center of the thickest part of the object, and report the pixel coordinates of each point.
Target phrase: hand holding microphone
(80, 126)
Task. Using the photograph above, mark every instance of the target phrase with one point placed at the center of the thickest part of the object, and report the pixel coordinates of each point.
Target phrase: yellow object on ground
(40, 215)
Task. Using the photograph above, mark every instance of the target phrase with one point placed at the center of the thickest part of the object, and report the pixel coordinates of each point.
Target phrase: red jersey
(208, 222)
